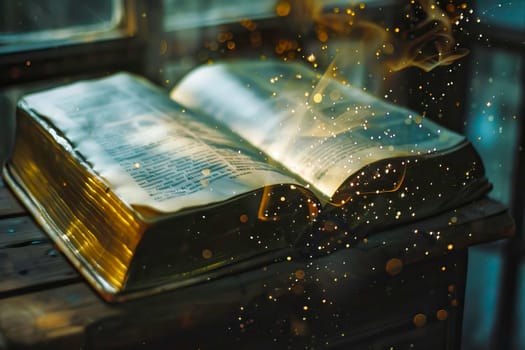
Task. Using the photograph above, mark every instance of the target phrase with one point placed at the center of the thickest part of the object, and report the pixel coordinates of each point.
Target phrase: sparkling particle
(230, 45)
(283, 8)
(318, 98)
(419, 320)
(207, 254)
(394, 266)
(442, 315)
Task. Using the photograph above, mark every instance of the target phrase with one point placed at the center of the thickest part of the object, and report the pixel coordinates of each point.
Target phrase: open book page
(150, 150)
(322, 130)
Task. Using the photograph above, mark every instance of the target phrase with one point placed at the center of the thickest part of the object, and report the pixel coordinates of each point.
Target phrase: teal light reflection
(492, 121)
(510, 14)
(492, 124)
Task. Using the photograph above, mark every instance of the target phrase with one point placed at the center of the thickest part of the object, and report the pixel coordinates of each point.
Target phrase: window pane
(180, 14)
(195, 13)
(33, 20)
(504, 13)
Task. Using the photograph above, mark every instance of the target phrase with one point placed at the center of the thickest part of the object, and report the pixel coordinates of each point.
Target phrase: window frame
(10, 42)
(122, 48)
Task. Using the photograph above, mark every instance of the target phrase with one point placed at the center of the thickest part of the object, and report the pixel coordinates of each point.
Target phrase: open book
(245, 163)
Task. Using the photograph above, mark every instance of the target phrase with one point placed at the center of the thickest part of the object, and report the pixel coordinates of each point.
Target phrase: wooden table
(399, 289)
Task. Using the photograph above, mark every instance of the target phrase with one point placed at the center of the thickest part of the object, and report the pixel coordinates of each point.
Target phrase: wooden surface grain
(9, 206)
(28, 259)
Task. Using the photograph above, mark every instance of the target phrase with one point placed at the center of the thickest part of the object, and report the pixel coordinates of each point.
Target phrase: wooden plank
(253, 311)
(9, 205)
(28, 259)
(32, 267)
(209, 316)
(18, 231)
(60, 313)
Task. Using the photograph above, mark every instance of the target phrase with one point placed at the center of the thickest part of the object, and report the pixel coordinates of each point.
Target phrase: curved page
(321, 129)
(150, 150)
